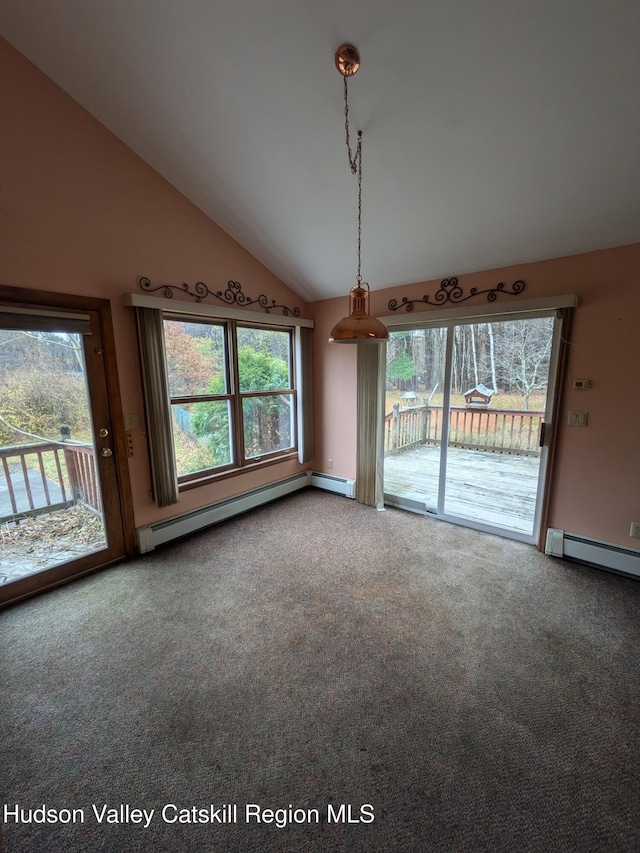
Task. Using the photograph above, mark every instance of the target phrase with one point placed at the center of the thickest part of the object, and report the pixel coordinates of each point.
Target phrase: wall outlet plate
(635, 530)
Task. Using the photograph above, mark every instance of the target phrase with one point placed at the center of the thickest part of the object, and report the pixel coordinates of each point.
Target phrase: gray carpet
(314, 653)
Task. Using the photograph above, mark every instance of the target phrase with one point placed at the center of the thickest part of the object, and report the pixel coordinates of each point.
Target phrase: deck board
(493, 488)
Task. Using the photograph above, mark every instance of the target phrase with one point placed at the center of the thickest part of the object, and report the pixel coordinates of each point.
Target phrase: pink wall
(596, 488)
(82, 214)
(334, 392)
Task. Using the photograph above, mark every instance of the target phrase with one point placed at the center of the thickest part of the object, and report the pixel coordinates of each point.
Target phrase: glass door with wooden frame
(59, 507)
(467, 404)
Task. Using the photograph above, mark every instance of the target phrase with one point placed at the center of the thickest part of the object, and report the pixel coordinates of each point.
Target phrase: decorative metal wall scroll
(450, 291)
(233, 295)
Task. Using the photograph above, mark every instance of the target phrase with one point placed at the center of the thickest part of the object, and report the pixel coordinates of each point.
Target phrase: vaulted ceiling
(495, 132)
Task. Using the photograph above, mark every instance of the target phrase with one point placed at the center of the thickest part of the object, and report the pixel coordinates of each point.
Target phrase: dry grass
(498, 401)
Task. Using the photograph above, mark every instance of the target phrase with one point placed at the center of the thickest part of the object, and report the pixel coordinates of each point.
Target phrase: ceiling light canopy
(359, 327)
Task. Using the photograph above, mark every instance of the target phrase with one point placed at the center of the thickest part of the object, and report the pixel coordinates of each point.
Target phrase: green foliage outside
(211, 425)
(258, 371)
(190, 455)
(401, 368)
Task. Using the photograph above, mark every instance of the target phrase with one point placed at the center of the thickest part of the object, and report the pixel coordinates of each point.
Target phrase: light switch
(578, 419)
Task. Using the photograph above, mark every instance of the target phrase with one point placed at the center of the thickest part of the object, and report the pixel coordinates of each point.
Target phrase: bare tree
(474, 352)
(528, 348)
(492, 357)
(67, 342)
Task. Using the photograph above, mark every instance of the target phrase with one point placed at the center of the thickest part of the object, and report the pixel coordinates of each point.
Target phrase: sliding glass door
(466, 405)
(415, 387)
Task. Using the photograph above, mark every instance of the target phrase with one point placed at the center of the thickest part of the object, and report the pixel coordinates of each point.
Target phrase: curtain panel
(304, 368)
(158, 408)
(370, 424)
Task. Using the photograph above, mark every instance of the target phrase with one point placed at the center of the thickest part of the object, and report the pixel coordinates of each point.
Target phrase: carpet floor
(350, 680)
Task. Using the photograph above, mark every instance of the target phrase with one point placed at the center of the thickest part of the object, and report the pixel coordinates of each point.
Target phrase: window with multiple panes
(232, 394)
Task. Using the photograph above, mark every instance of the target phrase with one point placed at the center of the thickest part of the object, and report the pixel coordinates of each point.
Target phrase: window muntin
(232, 394)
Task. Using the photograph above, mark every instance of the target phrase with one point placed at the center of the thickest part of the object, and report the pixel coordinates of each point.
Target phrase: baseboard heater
(165, 531)
(592, 552)
(339, 485)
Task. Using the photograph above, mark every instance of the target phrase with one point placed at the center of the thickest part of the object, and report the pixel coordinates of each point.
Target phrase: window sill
(195, 481)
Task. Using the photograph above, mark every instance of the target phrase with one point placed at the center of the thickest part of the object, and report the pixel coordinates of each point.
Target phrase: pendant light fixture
(358, 327)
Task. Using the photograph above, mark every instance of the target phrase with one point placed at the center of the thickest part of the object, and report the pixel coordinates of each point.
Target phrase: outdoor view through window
(472, 453)
(232, 394)
(50, 506)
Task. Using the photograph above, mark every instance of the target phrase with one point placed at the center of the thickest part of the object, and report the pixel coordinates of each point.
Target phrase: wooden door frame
(27, 298)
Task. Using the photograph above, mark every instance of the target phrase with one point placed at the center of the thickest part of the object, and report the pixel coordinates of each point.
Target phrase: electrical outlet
(329, 464)
(635, 529)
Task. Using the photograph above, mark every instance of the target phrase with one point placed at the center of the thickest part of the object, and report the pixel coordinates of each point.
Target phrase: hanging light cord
(355, 164)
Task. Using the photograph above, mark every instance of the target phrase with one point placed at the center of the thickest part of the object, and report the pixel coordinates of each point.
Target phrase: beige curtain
(370, 451)
(156, 391)
(303, 384)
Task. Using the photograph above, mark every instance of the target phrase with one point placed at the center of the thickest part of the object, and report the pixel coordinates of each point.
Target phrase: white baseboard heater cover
(593, 552)
(339, 485)
(157, 534)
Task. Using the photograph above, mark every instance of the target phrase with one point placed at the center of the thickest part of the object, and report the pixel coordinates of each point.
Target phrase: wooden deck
(493, 488)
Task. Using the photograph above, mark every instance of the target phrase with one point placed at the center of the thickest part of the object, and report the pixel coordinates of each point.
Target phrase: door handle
(106, 451)
(543, 434)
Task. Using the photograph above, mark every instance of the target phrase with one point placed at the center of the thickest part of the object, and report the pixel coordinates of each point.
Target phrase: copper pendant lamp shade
(359, 327)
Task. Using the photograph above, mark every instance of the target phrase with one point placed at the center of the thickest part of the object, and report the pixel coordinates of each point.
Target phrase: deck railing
(497, 430)
(46, 476)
